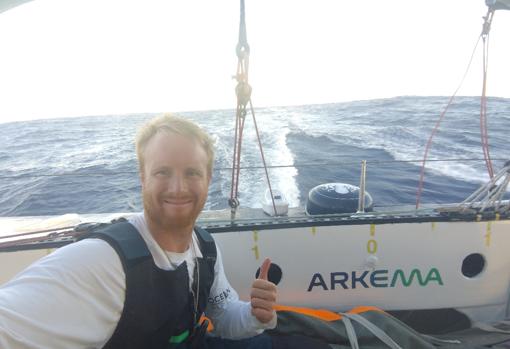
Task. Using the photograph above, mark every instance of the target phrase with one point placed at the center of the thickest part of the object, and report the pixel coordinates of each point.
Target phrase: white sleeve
(230, 316)
(72, 298)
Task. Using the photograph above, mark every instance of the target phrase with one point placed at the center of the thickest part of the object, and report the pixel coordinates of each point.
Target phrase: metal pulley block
(243, 92)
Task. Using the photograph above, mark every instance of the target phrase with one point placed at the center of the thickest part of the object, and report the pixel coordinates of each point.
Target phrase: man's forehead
(164, 138)
(167, 143)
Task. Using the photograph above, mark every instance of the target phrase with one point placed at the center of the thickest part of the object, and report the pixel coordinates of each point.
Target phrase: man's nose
(177, 183)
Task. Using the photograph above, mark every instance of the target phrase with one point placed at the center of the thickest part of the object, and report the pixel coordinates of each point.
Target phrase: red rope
(483, 109)
(427, 148)
(234, 162)
(436, 127)
(263, 158)
(241, 128)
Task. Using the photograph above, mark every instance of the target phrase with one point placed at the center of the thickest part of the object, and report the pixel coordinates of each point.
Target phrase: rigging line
(243, 90)
(64, 234)
(234, 153)
(438, 123)
(241, 131)
(299, 165)
(483, 104)
(263, 159)
(54, 230)
(483, 115)
(483, 99)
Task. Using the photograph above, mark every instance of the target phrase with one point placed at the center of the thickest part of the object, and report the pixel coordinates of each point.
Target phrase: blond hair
(177, 125)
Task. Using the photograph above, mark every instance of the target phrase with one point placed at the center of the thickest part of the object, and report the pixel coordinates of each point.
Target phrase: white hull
(395, 266)
(304, 252)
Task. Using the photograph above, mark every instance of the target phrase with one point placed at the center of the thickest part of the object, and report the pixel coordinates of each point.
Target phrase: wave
(88, 164)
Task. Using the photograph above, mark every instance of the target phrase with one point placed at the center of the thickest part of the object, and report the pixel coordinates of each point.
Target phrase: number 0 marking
(372, 246)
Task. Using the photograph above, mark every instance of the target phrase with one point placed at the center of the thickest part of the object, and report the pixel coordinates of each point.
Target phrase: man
(145, 283)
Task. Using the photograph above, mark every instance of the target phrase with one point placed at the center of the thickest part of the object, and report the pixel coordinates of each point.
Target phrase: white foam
(273, 128)
(343, 188)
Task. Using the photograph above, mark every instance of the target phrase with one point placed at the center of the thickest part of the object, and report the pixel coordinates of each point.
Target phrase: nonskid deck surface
(248, 218)
(211, 218)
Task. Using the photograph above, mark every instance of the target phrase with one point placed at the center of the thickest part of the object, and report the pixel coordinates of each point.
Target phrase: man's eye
(163, 173)
(194, 173)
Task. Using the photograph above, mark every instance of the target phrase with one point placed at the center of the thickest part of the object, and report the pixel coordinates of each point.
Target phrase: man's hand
(263, 295)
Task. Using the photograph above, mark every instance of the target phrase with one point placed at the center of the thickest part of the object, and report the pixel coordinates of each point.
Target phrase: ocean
(88, 164)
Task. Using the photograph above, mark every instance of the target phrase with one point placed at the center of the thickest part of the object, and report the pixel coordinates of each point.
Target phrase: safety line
(299, 165)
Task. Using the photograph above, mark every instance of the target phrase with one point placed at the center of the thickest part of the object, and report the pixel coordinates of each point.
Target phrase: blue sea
(88, 164)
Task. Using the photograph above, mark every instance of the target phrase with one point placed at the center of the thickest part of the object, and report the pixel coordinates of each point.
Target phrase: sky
(62, 58)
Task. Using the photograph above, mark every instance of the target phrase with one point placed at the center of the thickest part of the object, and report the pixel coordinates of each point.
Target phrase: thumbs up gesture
(263, 295)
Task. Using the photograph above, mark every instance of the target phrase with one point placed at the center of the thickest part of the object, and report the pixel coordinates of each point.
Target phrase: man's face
(175, 181)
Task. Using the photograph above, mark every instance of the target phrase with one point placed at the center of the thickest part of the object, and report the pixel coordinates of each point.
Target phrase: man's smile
(177, 202)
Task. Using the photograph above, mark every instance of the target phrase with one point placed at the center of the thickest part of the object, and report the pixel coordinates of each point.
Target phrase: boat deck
(248, 218)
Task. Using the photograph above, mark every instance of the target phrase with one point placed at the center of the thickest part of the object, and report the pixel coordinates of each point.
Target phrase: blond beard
(162, 223)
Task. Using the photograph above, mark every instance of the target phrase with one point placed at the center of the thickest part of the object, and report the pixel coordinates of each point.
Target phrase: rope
(60, 234)
(483, 120)
(243, 93)
(54, 230)
(483, 99)
(351, 332)
(233, 189)
(374, 329)
(263, 158)
(490, 194)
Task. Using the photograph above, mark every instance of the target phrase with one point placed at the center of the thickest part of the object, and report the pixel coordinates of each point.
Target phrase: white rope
(351, 333)
(376, 331)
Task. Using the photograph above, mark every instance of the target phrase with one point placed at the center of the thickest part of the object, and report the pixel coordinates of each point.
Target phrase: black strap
(207, 246)
(126, 241)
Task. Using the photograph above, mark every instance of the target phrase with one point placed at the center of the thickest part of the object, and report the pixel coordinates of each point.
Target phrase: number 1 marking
(488, 235)
(255, 250)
